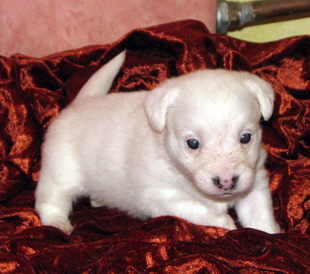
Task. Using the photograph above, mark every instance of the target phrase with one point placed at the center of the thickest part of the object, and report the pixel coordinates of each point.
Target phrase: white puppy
(190, 148)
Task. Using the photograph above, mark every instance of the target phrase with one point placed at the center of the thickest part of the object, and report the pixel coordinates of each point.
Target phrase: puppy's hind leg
(52, 215)
(54, 208)
(54, 199)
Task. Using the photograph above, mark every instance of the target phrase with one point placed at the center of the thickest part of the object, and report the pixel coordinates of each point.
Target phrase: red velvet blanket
(33, 91)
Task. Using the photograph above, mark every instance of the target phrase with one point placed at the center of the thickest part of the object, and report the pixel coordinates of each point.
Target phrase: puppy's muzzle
(224, 183)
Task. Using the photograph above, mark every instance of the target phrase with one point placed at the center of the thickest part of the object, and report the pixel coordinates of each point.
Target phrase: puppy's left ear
(264, 94)
(156, 105)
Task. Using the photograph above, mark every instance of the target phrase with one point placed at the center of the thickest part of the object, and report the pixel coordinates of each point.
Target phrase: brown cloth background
(33, 91)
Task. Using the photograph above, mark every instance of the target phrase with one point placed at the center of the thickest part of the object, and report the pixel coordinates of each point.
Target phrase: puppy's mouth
(226, 194)
(222, 190)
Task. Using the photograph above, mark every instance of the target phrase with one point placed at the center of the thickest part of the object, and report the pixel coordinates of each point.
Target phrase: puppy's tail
(100, 82)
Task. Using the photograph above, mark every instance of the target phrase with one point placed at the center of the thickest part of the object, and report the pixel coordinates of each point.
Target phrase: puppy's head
(210, 121)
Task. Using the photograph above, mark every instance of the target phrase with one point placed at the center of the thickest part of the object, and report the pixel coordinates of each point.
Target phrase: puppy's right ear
(156, 106)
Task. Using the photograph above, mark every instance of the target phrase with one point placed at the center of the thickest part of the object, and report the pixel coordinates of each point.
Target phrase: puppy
(190, 148)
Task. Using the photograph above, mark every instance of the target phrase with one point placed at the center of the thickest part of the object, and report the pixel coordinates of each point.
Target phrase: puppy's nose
(225, 183)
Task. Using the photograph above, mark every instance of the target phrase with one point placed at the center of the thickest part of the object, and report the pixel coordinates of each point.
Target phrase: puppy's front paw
(275, 229)
(270, 227)
(226, 221)
(95, 203)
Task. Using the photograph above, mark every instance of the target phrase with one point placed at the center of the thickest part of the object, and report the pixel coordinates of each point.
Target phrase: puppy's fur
(190, 148)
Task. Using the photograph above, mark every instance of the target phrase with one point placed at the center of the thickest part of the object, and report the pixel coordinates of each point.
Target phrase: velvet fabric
(33, 91)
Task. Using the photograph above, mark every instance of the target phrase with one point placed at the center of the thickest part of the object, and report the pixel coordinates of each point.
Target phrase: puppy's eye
(246, 138)
(193, 144)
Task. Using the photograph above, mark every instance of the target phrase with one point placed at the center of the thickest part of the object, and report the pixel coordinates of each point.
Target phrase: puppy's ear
(264, 94)
(156, 105)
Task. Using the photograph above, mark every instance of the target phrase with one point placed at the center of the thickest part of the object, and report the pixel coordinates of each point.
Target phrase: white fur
(129, 151)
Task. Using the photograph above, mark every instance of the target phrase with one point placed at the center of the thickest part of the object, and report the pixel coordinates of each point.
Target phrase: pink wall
(42, 27)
